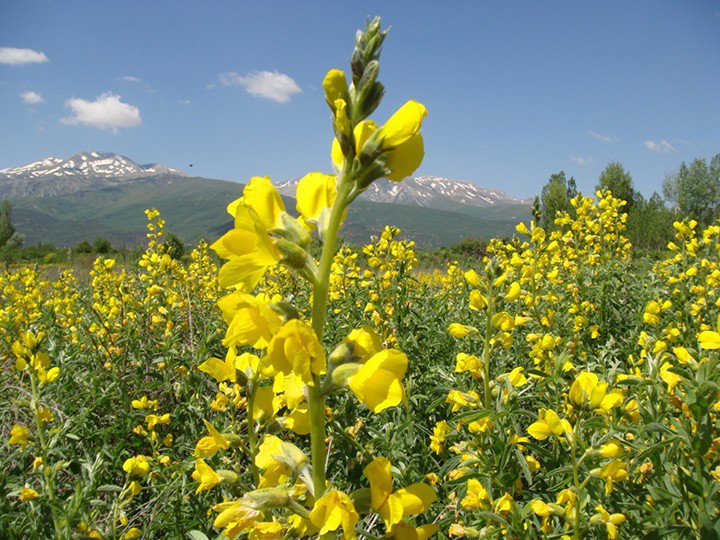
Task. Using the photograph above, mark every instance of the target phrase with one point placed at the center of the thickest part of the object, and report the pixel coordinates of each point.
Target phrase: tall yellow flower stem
(316, 402)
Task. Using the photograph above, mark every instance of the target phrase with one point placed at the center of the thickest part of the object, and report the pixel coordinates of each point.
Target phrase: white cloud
(661, 147)
(271, 85)
(581, 160)
(106, 112)
(32, 97)
(184, 101)
(131, 78)
(600, 137)
(18, 57)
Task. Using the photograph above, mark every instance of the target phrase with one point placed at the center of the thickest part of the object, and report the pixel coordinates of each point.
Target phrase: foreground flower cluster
(286, 372)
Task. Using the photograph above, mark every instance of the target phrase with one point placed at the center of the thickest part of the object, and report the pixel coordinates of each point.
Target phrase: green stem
(578, 487)
(47, 470)
(252, 435)
(486, 349)
(316, 403)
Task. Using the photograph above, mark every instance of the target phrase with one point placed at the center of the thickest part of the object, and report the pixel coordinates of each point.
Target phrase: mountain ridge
(427, 191)
(94, 194)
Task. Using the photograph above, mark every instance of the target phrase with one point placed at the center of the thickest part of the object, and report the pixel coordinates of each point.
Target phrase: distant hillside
(106, 196)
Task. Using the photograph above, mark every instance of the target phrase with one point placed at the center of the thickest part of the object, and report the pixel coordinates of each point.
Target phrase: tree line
(693, 191)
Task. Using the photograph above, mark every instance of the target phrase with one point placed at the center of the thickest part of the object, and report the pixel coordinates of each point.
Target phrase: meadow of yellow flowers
(556, 388)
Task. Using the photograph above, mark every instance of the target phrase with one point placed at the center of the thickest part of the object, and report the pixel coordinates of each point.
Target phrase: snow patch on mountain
(428, 191)
(89, 164)
(52, 175)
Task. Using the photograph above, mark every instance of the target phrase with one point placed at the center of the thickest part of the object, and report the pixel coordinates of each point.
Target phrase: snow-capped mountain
(53, 175)
(428, 191)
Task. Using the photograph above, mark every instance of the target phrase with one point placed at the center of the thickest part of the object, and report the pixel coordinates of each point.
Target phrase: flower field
(556, 388)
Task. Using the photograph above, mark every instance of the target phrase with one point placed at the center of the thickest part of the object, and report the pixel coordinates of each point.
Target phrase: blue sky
(515, 90)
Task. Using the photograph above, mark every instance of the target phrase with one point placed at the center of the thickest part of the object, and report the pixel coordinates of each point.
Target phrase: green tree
(649, 224)
(695, 189)
(616, 179)
(555, 197)
(83, 247)
(6, 227)
(102, 246)
(174, 246)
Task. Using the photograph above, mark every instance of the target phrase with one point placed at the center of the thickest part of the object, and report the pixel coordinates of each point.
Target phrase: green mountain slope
(194, 208)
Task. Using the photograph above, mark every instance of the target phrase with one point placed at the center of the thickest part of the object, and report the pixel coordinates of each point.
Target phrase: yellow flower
(394, 506)
(315, 194)
(466, 362)
(137, 466)
(549, 423)
(153, 420)
(437, 439)
(28, 494)
(378, 382)
(221, 370)
(298, 420)
(251, 321)
(611, 521)
(472, 277)
(615, 471)
(532, 463)
(19, 435)
(205, 476)
(670, 378)
(403, 125)
(365, 342)
(210, 445)
(236, 516)
(611, 449)
(46, 377)
(477, 300)
(334, 510)
(481, 425)
(588, 390)
(295, 349)
(266, 530)
(335, 86)
(135, 488)
(133, 533)
(709, 340)
(260, 195)
(404, 531)
(249, 249)
(516, 377)
(460, 331)
(399, 138)
(513, 291)
(476, 496)
(504, 504)
(273, 470)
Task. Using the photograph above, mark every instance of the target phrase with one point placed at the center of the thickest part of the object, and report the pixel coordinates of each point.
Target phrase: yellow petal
(378, 474)
(709, 340)
(315, 192)
(261, 195)
(403, 124)
(405, 158)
